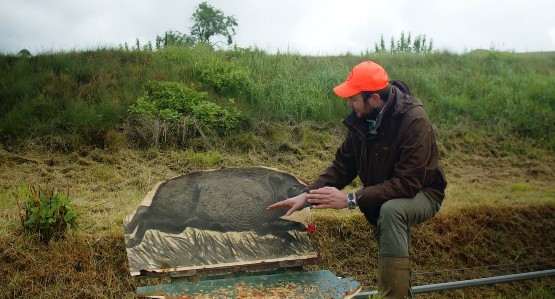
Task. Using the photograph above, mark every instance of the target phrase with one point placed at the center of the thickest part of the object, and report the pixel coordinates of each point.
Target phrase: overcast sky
(313, 27)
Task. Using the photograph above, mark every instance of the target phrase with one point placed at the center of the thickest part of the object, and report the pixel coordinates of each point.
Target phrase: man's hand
(323, 198)
(293, 204)
(327, 198)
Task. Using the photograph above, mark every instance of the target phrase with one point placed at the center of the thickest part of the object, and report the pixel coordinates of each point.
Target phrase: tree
(209, 22)
(24, 53)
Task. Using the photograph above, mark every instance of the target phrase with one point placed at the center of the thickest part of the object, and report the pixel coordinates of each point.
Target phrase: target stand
(209, 232)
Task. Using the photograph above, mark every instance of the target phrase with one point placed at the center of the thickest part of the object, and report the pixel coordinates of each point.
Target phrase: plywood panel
(217, 220)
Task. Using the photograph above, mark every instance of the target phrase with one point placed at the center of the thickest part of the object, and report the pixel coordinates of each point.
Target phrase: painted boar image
(226, 200)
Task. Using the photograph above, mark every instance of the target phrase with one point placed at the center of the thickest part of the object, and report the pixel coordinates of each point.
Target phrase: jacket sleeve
(409, 170)
(342, 170)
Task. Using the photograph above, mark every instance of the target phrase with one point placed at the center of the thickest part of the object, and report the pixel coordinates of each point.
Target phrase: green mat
(291, 284)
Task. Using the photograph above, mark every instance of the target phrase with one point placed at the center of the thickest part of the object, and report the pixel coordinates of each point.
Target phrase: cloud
(268, 25)
(306, 27)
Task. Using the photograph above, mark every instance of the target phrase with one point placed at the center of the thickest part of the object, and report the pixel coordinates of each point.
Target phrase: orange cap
(366, 76)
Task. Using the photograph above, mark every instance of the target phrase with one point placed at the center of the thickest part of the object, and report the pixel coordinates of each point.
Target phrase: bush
(170, 112)
(48, 215)
(226, 78)
(212, 115)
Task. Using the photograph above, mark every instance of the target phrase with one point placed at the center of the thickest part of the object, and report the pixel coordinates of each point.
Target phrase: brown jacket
(397, 160)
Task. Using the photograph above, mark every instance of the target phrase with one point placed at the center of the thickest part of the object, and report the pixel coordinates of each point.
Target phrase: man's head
(366, 88)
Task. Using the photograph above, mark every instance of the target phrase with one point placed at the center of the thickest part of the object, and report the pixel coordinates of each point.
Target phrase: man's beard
(372, 115)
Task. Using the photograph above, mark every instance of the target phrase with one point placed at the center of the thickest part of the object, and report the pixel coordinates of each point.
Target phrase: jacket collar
(397, 104)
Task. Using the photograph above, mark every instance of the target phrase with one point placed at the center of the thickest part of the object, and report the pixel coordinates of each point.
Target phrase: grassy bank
(83, 97)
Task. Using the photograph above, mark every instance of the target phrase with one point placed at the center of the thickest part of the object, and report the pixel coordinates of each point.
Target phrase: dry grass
(451, 246)
(80, 266)
(475, 180)
(497, 211)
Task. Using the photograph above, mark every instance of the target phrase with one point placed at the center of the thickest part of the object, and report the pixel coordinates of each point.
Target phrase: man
(390, 145)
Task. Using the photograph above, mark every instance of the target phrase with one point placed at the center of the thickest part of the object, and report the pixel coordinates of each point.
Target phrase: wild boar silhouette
(226, 200)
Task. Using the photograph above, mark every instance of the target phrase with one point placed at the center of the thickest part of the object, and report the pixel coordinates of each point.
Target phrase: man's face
(359, 106)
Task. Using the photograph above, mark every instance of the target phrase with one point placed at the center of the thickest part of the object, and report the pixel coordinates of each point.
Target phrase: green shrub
(170, 112)
(223, 119)
(150, 109)
(48, 214)
(166, 101)
(226, 78)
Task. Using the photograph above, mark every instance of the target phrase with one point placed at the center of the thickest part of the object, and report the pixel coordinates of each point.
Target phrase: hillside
(64, 125)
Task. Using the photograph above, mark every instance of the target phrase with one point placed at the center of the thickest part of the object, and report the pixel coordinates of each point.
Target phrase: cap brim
(345, 91)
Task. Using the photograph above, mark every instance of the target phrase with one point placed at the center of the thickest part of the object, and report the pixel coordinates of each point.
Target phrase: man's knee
(391, 211)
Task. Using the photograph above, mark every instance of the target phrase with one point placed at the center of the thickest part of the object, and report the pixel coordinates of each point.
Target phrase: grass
(81, 96)
(485, 220)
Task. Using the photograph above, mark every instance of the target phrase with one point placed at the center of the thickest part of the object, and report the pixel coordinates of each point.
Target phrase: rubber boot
(393, 277)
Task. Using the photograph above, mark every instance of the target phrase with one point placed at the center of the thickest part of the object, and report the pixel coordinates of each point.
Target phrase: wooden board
(216, 221)
(291, 284)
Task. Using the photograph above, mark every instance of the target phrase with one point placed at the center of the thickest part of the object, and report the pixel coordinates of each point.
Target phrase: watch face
(351, 203)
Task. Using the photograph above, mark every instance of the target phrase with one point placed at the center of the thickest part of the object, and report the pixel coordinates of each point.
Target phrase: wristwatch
(351, 201)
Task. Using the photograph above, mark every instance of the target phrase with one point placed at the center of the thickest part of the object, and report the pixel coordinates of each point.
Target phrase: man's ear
(376, 99)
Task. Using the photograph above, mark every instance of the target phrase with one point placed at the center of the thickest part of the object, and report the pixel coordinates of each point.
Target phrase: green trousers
(397, 216)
